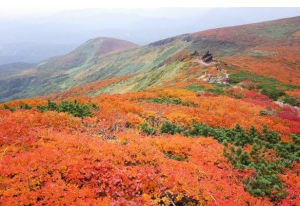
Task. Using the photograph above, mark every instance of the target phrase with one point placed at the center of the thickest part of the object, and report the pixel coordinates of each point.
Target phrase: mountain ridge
(84, 66)
(57, 67)
(90, 51)
(272, 30)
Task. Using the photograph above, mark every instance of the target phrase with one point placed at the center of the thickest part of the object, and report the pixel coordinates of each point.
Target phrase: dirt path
(200, 61)
(212, 75)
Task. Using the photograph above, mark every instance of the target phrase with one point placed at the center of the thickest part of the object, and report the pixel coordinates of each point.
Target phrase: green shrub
(272, 92)
(73, 108)
(292, 101)
(146, 129)
(263, 113)
(242, 76)
(195, 88)
(170, 155)
(267, 85)
(8, 107)
(265, 181)
(25, 106)
(167, 100)
(169, 128)
(216, 90)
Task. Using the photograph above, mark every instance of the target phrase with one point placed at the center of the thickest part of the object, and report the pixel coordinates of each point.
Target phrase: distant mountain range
(13, 68)
(103, 58)
(34, 39)
(32, 52)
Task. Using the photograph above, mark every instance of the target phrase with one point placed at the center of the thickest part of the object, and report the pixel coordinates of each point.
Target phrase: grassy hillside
(44, 78)
(248, 47)
(271, 48)
(259, 34)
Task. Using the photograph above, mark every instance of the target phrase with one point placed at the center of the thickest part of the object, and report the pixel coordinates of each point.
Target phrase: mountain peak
(89, 52)
(102, 46)
(115, 43)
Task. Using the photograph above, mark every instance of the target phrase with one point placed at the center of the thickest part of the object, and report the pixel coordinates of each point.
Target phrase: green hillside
(104, 58)
(46, 77)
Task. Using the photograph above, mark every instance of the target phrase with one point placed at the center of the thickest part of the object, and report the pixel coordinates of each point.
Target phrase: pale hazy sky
(33, 30)
(139, 3)
(12, 8)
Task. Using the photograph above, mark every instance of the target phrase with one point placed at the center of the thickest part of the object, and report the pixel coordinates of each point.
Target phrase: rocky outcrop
(194, 54)
(207, 57)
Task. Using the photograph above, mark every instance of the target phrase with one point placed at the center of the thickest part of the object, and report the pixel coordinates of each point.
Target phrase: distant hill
(29, 39)
(87, 53)
(151, 64)
(31, 51)
(279, 32)
(13, 68)
(41, 79)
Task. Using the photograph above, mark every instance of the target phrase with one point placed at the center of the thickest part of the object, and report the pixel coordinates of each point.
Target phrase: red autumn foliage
(289, 113)
(54, 158)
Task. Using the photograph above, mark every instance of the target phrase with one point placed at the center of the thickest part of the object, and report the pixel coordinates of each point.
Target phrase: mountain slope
(85, 65)
(43, 78)
(187, 133)
(87, 53)
(14, 68)
(251, 48)
(258, 34)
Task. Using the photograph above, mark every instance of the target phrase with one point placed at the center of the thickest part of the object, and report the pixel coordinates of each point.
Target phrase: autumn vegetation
(156, 147)
(164, 136)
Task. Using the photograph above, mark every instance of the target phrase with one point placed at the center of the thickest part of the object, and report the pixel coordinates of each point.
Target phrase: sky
(33, 30)
(13, 8)
(138, 3)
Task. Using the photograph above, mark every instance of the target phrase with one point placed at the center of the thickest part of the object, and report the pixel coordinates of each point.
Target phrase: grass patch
(218, 89)
(195, 88)
(292, 101)
(268, 86)
(168, 100)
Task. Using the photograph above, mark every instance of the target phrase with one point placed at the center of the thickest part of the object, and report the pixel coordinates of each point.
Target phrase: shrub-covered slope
(176, 131)
(268, 49)
(157, 147)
